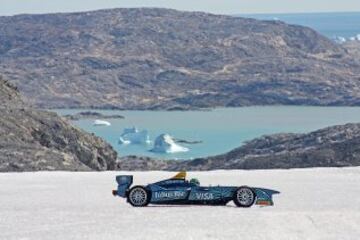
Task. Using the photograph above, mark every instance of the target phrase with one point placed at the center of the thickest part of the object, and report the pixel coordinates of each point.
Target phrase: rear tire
(244, 197)
(138, 196)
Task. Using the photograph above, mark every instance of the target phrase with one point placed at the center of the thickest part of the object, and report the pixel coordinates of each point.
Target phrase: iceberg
(98, 122)
(355, 38)
(340, 40)
(123, 141)
(134, 136)
(166, 144)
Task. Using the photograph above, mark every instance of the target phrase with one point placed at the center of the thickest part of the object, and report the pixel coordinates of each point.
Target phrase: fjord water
(329, 24)
(220, 130)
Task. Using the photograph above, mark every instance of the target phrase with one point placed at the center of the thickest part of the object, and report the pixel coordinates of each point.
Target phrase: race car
(178, 190)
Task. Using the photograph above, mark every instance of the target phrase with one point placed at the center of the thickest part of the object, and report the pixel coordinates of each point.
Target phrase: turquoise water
(329, 24)
(220, 130)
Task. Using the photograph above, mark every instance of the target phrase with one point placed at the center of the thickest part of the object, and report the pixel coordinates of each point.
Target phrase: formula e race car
(178, 190)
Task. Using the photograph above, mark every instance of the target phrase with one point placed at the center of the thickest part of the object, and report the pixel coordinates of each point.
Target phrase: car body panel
(264, 196)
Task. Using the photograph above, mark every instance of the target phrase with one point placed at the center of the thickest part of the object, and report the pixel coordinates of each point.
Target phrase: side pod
(124, 183)
(264, 196)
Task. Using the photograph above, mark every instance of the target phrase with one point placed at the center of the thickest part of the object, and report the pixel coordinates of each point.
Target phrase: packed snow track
(313, 204)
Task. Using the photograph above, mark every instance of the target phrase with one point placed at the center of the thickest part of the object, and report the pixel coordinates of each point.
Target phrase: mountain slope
(32, 140)
(167, 59)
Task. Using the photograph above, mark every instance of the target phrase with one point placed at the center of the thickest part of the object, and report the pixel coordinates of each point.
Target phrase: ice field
(313, 204)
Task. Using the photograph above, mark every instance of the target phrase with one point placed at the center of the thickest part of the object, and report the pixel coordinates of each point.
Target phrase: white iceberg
(355, 38)
(339, 40)
(166, 144)
(98, 122)
(134, 136)
(123, 141)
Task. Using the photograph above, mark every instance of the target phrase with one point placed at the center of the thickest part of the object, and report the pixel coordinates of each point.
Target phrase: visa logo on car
(204, 196)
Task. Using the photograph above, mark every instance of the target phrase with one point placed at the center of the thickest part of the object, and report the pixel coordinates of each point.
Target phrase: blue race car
(178, 190)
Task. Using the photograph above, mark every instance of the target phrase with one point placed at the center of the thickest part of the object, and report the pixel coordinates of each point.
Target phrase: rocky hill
(353, 48)
(9, 95)
(167, 59)
(32, 140)
(337, 146)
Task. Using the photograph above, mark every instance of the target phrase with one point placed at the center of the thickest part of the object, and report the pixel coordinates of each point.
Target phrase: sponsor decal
(204, 196)
(264, 203)
(169, 194)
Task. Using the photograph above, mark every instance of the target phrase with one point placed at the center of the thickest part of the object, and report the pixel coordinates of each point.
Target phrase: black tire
(138, 196)
(244, 197)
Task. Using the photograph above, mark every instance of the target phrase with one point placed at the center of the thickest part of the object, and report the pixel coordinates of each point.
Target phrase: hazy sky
(11, 7)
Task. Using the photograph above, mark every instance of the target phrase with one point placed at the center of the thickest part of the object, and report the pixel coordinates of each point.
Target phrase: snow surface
(164, 143)
(313, 204)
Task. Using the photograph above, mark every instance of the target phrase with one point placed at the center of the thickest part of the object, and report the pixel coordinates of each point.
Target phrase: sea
(222, 130)
(331, 25)
(219, 130)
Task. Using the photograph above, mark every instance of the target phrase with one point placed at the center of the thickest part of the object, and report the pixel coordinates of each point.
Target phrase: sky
(12, 7)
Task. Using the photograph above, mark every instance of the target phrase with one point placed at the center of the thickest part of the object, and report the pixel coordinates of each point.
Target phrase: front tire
(244, 197)
(138, 196)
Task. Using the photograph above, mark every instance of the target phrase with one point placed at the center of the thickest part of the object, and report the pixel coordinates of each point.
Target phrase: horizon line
(226, 14)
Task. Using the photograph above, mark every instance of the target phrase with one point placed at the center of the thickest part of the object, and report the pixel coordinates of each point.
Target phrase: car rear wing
(124, 183)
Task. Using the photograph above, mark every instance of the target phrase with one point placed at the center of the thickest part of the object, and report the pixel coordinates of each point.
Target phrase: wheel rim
(138, 196)
(245, 196)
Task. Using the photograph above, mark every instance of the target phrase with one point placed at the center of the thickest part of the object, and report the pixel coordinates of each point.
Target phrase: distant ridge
(149, 58)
